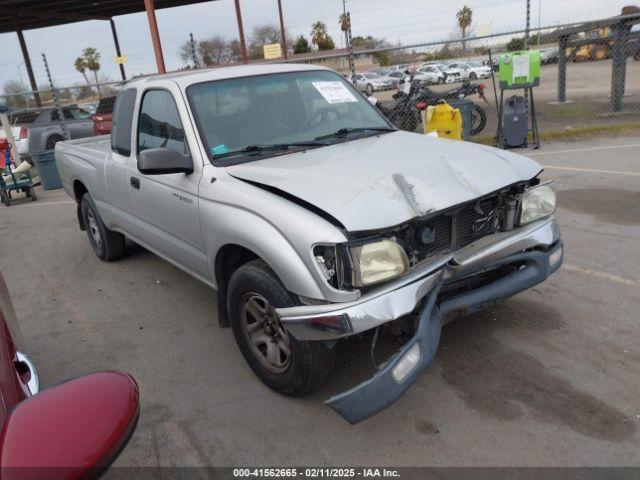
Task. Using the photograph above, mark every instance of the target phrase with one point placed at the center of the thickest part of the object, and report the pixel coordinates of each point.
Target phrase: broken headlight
(378, 261)
(536, 203)
(325, 257)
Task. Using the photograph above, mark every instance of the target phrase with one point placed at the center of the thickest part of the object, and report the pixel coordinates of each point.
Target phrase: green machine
(518, 71)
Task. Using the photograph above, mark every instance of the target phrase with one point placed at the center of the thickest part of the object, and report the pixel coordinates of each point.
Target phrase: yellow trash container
(444, 119)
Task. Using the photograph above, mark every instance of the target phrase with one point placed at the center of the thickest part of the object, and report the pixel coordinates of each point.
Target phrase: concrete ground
(551, 377)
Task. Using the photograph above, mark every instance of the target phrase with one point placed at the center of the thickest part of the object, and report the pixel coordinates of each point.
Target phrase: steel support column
(618, 64)
(562, 69)
(155, 36)
(117, 45)
(283, 38)
(243, 46)
(27, 61)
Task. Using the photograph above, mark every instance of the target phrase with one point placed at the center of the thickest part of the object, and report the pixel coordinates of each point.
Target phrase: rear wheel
(284, 364)
(52, 140)
(6, 199)
(107, 244)
(600, 53)
(32, 194)
(369, 89)
(478, 119)
(473, 76)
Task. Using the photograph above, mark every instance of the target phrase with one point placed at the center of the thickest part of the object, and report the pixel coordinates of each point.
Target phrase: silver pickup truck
(284, 189)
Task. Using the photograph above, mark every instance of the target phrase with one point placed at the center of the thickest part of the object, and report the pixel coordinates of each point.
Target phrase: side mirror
(159, 161)
(73, 430)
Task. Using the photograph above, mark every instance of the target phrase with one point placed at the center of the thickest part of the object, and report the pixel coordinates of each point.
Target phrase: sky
(403, 21)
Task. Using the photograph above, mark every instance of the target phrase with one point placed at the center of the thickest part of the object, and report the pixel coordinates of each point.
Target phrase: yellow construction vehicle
(598, 50)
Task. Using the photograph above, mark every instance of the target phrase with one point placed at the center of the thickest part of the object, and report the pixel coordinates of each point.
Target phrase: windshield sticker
(334, 92)
(219, 149)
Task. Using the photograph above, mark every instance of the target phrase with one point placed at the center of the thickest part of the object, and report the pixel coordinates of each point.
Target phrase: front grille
(477, 220)
(450, 231)
(434, 236)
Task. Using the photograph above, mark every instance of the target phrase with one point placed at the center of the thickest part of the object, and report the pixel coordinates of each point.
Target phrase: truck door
(166, 205)
(117, 166)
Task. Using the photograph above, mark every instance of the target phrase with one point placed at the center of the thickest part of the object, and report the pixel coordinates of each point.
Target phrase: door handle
(135, 182)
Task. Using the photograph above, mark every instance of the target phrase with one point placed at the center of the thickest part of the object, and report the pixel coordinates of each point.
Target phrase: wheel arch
(79, 189)
(228, 259)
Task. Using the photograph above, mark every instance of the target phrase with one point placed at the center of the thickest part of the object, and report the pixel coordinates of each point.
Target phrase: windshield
(476, 63)
(284, 108)
(371, 75)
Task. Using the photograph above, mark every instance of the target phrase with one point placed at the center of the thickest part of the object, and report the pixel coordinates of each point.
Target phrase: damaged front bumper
(537, 251)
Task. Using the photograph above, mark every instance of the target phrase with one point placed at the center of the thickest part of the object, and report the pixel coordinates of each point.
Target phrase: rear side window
(122, 121)
(159, 124)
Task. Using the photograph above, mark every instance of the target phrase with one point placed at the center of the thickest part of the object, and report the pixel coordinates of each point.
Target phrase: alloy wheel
(93, 228)
(267, 338)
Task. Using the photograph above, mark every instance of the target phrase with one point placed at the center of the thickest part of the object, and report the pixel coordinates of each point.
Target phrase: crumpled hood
(382, 181)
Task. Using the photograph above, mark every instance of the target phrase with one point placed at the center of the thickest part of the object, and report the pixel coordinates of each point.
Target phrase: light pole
(539, 8)
(19, 72)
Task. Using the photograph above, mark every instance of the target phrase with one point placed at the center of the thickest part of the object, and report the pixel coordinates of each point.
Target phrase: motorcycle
(405, 110)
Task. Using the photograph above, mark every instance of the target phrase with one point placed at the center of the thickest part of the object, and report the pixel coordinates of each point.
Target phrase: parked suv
(41, 129)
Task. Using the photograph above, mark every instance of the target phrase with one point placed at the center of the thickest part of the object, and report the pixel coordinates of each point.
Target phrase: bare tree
(14, 88)
(262, 35)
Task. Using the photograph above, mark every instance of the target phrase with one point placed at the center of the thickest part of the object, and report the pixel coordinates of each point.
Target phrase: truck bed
(84, 160)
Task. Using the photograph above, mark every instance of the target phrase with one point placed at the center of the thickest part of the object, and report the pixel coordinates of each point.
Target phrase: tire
(599, 54)
(473, 76)
(440, 80)
(32, 194)
(479, 120)
(369, 89)
(255, 287)
(107, 244)
(6, 199)
(52, 140)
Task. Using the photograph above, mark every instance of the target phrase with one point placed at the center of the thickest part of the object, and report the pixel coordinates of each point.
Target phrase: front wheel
(6, 199)
(284, 364)
(369, 89)
(440, 80)
(473, 76)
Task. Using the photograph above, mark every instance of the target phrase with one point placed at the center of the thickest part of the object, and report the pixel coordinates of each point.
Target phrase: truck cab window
(159, 123)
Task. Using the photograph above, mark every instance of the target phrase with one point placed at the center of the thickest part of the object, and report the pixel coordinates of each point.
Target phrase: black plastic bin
(466, 113)
(45, 163)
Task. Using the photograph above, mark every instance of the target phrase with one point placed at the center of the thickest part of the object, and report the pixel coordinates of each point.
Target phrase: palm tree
(91, 59)
(343, 21)
(318, 32)
(81, 66)
(464, 17)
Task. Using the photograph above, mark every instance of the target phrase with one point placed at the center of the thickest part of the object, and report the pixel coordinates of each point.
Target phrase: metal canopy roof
(38, 14)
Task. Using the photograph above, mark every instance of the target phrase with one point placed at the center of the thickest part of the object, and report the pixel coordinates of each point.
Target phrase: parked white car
(401, 67)
(450, 75)
(472, 70)
(370, 82)
(430, 74)
(394, 76)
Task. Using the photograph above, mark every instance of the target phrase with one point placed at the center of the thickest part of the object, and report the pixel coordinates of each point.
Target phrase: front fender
(277, 230)
(228, 225)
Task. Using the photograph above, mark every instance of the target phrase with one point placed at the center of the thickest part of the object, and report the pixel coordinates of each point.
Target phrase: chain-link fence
(589, 78)
(88, 95)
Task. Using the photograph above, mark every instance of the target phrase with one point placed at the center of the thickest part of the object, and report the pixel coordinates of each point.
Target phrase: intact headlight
(537, 202)
(378, 261)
